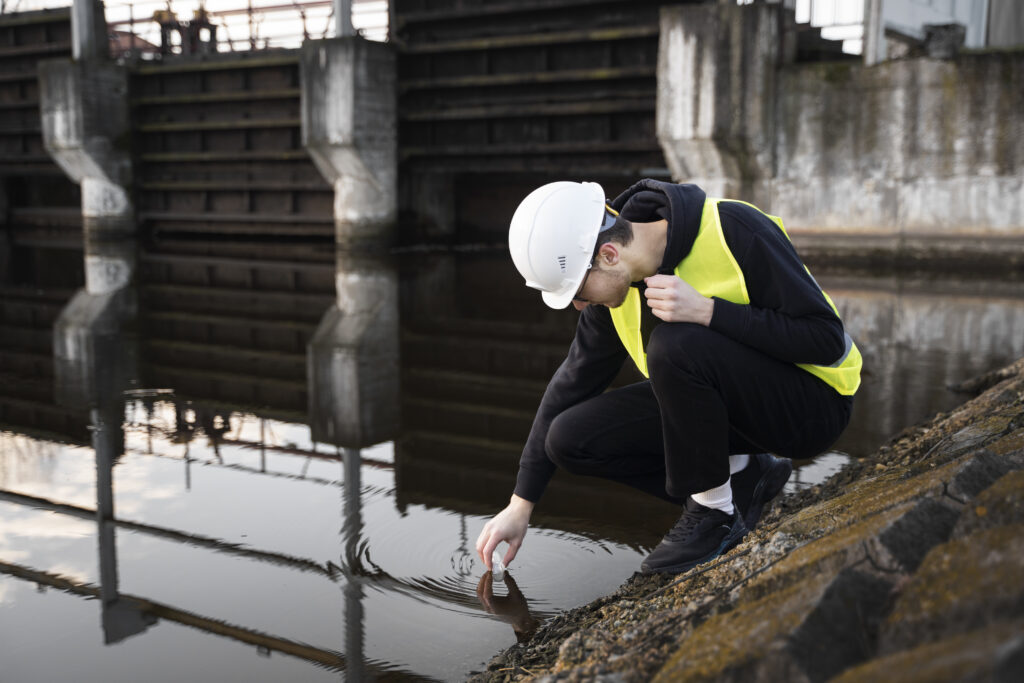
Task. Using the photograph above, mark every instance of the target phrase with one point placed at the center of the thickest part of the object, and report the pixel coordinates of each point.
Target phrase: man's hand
(509, 525)
(673, 300)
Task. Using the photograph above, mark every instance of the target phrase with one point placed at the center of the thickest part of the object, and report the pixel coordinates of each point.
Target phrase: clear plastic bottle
(497, 566)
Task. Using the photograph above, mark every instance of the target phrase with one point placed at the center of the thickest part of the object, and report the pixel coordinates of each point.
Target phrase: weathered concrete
(89, 31)
(94, 339)
(84, 107)
(909, 148)
(352, 360)
(717, 82)
(86, 128)
(349, 129)
(850, 575)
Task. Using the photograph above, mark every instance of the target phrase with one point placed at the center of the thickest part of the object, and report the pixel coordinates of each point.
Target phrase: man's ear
(608, 254)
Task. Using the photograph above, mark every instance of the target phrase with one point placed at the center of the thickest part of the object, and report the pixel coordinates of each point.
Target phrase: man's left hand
(673, 300)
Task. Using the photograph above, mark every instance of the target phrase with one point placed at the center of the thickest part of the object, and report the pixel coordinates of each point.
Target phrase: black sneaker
(758, 483)
(701, 534)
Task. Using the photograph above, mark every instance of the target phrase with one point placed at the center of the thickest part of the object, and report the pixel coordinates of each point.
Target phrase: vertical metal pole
(343, 19)
(103, 443)
(89, 30)
(873, 47)
(252, 29)
(352, 532)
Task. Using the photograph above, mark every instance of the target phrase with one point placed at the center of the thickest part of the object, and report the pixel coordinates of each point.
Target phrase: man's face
(604, 286)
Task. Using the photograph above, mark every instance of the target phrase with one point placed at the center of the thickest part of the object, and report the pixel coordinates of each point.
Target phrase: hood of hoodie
(681, 205)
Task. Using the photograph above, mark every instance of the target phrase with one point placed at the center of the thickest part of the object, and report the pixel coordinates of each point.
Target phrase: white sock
(738, 462)
(718, 498)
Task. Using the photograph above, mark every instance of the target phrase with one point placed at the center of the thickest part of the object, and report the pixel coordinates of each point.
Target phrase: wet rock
(995, 653)
(976, 385)
(1000, 504)
(806, 632)
(1011, 446)
(961, 586)
(960, 479)
(888, 544)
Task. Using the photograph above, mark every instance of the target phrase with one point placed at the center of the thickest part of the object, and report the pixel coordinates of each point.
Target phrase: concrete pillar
(873, 49)
(89, 39)
(120, 619)
(352, 360)
(86, 128)
(352, 532)
(94, 339)
(717, 80)
(349, 129)
(343, 19)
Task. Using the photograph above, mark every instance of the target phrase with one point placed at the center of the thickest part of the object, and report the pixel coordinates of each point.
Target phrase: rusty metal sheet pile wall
(38, 204)
(563, 87)
(40, 229)
(219, 152)
(239, 229)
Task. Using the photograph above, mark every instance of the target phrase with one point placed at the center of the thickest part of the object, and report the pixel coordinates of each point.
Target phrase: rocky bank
(908, 565)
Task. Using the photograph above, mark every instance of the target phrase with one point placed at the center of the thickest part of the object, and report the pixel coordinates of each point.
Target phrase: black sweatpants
(708, 397)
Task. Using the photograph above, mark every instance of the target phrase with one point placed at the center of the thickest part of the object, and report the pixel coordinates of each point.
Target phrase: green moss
(960, 658)
(826, 556)
(1014, 441)
(998, 505)
(745, 634)
(836, 73)
(964, 576)
(869, 497)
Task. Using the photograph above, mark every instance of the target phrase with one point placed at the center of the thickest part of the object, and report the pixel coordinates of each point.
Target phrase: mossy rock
(809, 631)
(994, 653)
(962, 585)
(889, 543)
(962, 478)
(998, 505)
(1011, 444)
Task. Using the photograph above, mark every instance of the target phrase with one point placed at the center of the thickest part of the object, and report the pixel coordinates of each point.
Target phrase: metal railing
(153, 28)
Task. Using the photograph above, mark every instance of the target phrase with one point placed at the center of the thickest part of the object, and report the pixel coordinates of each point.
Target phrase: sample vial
(497, 566)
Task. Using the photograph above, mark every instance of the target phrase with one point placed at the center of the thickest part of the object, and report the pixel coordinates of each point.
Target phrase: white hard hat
(552, 237)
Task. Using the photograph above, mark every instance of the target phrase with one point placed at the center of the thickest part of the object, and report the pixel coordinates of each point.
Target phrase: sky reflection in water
(237, 545)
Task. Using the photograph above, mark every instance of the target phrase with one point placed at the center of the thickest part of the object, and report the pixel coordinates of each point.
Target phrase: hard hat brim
(558, 301)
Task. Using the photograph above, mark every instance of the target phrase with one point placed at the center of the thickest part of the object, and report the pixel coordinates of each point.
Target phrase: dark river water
(200, 522)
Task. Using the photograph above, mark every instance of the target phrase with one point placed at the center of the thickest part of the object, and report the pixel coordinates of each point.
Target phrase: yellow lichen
(1014, 441)
(962, 657)
(962, 575)
(742, 635)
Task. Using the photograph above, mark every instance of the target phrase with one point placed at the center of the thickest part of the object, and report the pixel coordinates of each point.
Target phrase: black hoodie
(788, 318)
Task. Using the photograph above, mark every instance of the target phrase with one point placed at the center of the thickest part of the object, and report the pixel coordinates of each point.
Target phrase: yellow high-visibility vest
(711, 269)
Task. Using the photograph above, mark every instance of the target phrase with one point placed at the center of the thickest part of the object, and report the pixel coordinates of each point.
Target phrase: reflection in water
(256, 489)
(511, 608)
(918, 338)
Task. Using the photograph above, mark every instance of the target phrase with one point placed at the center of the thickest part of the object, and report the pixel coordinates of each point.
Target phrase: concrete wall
(917, 145)
(910, 149)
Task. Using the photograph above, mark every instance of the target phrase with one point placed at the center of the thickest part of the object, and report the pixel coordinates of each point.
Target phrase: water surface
(201, 526)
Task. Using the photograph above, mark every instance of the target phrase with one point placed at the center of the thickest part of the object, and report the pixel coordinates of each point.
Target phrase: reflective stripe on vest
(711, 269)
